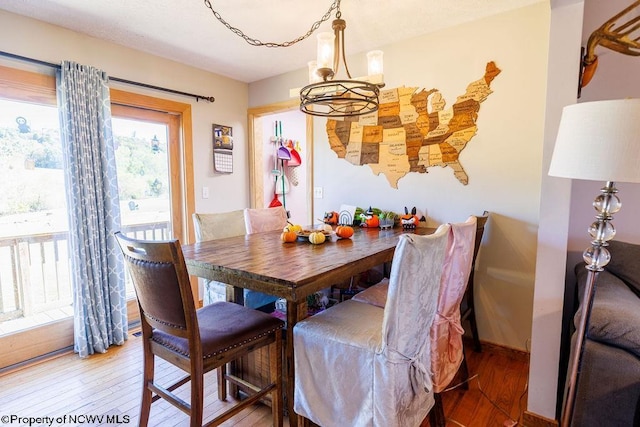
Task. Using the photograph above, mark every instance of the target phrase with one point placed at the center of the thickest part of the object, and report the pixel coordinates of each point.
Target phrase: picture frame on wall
(222, 149)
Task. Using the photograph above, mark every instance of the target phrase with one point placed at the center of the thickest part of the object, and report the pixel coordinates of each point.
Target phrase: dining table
(263, 262)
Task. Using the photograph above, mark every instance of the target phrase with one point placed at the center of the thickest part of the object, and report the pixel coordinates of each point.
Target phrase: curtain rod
(115, 79)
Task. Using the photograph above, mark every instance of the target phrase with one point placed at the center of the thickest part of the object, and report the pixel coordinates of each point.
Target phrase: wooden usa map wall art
(412, 130)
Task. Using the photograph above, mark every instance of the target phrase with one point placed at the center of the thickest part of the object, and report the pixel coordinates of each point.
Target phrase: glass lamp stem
(596, 258)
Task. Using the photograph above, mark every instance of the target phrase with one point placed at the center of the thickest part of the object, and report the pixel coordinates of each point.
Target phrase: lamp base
(596, 258)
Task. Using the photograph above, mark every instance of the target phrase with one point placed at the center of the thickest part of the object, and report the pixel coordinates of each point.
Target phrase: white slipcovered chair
(357, 364)
(258, 220)
(447, 352)
(212, 226)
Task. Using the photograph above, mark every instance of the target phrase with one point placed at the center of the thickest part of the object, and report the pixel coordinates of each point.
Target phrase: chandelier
(324, 96)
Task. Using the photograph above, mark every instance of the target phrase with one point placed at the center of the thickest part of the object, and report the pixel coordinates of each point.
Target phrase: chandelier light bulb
(314, 77)
(375, 63)
(325, 50)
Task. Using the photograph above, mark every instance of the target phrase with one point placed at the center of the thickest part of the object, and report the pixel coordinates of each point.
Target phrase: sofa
(608, 387)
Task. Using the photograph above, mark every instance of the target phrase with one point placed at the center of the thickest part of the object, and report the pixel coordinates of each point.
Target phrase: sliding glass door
(153, 157)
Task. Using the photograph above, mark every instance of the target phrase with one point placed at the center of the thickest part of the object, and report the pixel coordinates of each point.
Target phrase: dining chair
(468, 308)
(212, 226)
(258, 220)
(196, 341)
(218, 225)
(447, 352)
(360, 365)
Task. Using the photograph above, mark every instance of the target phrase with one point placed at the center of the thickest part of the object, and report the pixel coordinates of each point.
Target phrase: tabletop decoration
(344, 231)
(370, 218)
(387, 219)
(317, 237)
(409, 220)
(292, 227)
(289, 236)
(331, 218)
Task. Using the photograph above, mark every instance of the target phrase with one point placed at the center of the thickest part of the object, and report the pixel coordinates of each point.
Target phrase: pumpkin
(317, 237)
(293, 227)
(288, 236)
(344, 231)
(327, 228)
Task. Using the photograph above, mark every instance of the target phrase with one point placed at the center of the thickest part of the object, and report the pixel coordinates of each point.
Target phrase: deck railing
(34, 269)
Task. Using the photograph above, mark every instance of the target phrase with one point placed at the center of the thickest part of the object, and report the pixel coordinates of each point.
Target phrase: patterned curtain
(100, 310)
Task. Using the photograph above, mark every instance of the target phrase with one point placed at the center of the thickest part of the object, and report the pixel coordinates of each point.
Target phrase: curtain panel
(100, 317)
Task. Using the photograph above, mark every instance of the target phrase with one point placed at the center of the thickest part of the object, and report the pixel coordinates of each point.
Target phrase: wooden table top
(264, 263)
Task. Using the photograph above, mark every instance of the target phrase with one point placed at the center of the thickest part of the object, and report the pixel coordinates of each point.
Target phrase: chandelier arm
(344, 56)
(256, 42)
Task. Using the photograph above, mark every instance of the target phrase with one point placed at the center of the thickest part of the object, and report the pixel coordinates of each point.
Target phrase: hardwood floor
(109, 385)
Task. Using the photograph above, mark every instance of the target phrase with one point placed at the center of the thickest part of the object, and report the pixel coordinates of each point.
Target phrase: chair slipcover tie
(455, 331)
(419, 372)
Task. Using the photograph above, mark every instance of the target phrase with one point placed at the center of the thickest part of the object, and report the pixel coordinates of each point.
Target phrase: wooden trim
(529, 419)
(120, 97)
(47, 340)
(27, 86)
(183, 170)
(309, 160)
(29, 344)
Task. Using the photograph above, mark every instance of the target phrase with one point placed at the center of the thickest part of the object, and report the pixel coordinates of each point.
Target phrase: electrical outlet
(205, 192)
(317, 192)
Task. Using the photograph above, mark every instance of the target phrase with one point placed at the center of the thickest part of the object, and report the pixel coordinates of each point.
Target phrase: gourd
(288, 236)
(344, 231)
(293, 227)
(317, 237)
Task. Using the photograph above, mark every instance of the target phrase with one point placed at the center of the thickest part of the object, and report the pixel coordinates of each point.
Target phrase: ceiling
(187, 31)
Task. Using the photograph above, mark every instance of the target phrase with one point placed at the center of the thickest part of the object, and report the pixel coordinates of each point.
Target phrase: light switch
(317, 192)
(205, 192)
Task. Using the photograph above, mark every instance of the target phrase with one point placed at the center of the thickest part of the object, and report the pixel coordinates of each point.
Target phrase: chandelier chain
(256, 42)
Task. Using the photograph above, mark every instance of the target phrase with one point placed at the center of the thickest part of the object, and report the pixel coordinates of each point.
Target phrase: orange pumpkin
(344, 231)
(288, 236)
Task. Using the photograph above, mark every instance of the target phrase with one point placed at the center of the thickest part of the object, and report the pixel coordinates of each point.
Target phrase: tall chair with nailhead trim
(196, 341)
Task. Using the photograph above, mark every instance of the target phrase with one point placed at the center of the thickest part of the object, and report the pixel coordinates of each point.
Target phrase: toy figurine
(331, 218)
(369, 219)
(409, 220)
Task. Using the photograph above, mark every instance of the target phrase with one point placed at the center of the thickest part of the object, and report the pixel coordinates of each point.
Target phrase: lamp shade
(599, 141)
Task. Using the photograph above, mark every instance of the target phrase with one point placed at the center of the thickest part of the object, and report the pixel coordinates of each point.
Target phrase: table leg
(234, 294)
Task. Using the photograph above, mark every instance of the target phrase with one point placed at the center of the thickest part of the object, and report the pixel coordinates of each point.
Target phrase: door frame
(255, 152)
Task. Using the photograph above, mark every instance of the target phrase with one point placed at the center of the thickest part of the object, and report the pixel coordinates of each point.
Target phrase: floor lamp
(596, 141)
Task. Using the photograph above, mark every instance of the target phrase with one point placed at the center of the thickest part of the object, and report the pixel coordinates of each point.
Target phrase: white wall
(564, 60)
(503, 160)
(35, 39)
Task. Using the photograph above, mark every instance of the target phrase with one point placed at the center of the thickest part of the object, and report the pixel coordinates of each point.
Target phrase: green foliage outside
(33, 178)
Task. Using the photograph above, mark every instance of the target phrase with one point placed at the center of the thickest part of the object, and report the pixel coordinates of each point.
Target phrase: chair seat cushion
(223, 326)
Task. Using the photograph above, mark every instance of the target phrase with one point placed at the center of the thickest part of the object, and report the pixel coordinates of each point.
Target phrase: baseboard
(529, 419)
